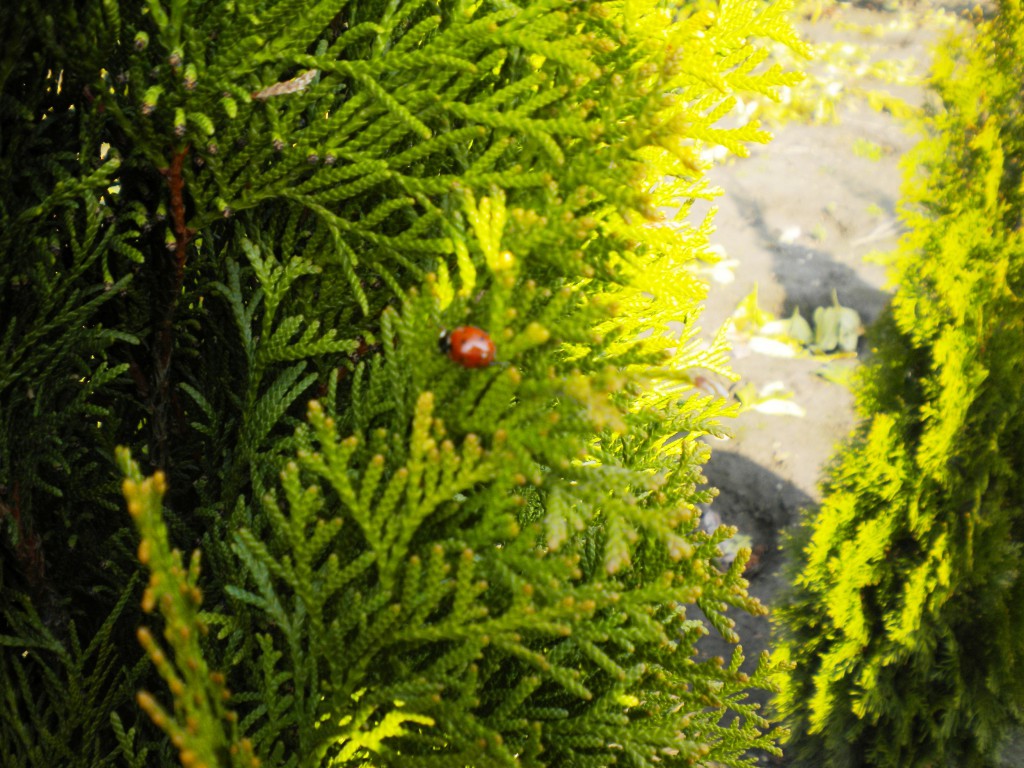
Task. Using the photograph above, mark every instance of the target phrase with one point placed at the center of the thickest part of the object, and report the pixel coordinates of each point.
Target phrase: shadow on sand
(762, 506)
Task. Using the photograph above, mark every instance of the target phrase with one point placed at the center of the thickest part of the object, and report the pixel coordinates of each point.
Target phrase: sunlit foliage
(906, 621)
(231, 233)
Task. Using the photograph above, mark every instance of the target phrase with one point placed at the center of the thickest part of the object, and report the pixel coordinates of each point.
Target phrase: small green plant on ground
(906, 616)
(231, 234)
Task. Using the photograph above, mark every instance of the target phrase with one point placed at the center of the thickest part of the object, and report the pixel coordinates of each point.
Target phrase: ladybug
(468, 346)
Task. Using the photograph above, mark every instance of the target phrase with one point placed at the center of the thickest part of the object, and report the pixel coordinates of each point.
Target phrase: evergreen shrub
(231, 232)
(906, 617)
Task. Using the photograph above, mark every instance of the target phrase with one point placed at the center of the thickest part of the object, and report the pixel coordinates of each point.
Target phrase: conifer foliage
(230, 235)
(907, 616)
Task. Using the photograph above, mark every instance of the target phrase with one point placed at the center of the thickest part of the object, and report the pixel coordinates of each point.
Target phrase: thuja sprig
(200, 724)
(435, 472)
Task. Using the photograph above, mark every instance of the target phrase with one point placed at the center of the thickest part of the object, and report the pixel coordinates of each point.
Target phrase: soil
(796, 221)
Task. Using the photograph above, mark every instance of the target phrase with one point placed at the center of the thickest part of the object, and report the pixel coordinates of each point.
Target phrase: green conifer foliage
(231, 233)
(907, 614)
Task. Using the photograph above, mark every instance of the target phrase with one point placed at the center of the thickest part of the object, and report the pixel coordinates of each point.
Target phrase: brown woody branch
(29, 547)
(161, 402)
(182, 234)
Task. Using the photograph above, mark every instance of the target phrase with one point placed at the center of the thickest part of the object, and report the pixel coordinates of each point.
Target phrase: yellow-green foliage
(907, 615)
(201, 696)
(231, 233)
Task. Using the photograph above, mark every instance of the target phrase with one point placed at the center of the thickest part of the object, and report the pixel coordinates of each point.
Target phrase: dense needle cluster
(231, 234)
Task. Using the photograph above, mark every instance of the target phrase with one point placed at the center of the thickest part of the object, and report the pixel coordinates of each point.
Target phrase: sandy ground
(797, 219)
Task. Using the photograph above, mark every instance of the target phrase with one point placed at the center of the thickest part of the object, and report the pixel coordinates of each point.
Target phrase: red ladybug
(468, 346)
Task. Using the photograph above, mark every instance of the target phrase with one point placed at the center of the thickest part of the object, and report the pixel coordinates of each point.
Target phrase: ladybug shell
(468, 346)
